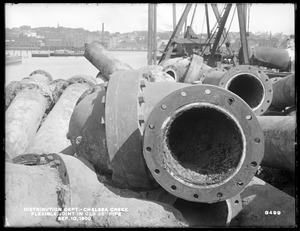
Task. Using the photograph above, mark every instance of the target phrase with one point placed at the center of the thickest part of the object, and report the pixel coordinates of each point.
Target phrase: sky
(118, 17)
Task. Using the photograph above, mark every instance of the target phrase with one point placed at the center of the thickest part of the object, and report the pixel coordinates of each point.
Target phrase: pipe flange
(235, 206)
(163, 156)
(124, 121)
(91, 90)
(42, 72)
(52, 158)
(40, 86)
(172, 71)
(59, 90)
(263, 89)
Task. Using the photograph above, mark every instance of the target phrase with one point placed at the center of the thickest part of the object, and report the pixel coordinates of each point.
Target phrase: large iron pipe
(270, 57)
(249, 83)
(176, 67)
(180, 138)
(280, 138)
(284, 92)
(156, 73)
(72, 184)
(107, 128)
(187, 69)
(25, 113)
(103, 60)
(51, 136)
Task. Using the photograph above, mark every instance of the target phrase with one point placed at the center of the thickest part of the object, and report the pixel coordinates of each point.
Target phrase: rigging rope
(228, 27)
(249, 16)
(213, 31)
(202, 27)
(192, 20)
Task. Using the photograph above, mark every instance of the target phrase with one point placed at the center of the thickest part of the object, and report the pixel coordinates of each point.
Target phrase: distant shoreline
(36, 49)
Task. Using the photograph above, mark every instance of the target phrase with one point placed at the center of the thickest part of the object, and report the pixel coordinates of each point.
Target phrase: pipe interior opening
(172, 73)
(249, 88)
(207, 145)
(210, 213)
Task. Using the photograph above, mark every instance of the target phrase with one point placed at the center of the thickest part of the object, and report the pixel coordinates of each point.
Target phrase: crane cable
(192, 20)
(228, 27)
(213, 31)
(202, 27)
(249, 16)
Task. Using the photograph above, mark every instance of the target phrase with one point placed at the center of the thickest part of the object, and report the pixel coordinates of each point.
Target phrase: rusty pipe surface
(10, 92)
(103, 60)
(187, 69)
(176, 67)
(43, 73)
(25, 113)
(249, 83)
(14, 87)
(284, 92)
(28, 187)
(156, 73)
(107, 128)
(270, 57)
(51, 136)
(72, 184)
(266, 206)
(280, 138)
(180, 138)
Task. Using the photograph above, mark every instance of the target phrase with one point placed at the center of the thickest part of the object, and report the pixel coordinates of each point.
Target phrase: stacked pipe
(264, 96)
(147, 135)
(105, 162)
(131, 121)
(248, 82)
(51, 136)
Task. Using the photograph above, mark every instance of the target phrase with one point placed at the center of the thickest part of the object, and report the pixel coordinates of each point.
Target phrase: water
(65, 67)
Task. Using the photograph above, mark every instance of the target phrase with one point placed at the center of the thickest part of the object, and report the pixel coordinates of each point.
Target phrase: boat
(9, 59)
(41, 54)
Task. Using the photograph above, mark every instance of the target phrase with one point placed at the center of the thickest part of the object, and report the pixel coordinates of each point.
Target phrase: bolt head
(49, 157)
(78, 140)
(164, 107)
(183, 93)
(207, 91)
(57, 162)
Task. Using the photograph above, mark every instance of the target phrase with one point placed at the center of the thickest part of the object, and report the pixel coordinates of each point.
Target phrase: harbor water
(65, 67)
